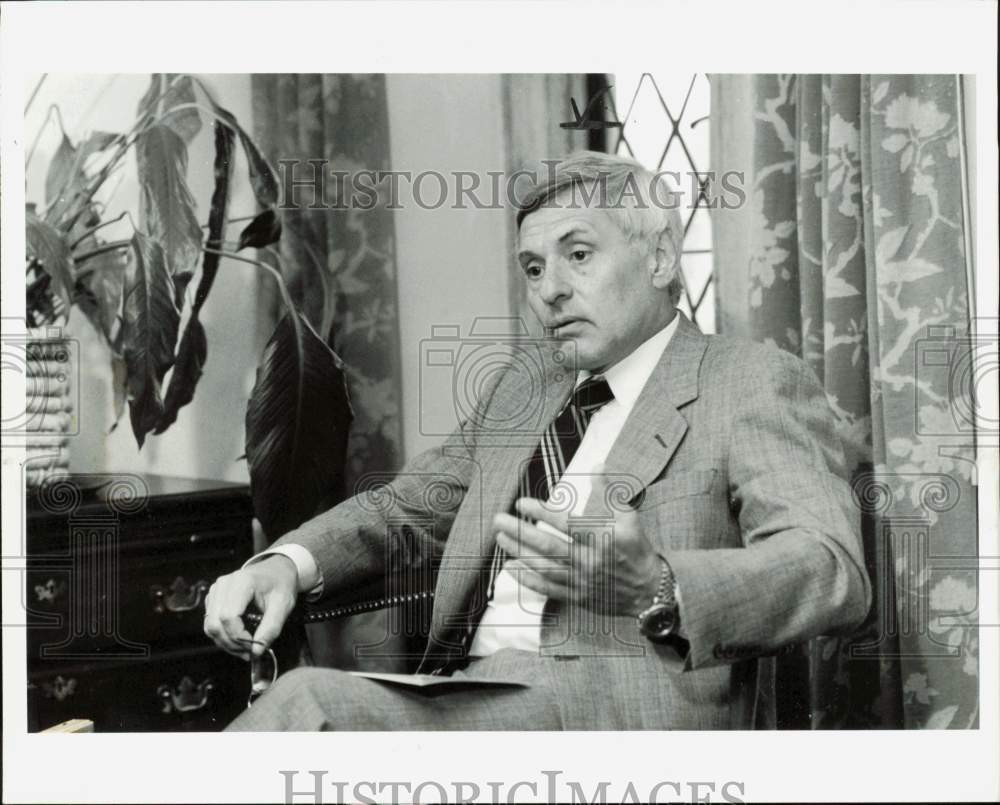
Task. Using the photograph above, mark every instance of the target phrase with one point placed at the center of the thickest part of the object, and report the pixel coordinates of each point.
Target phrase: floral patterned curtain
(858, 264)
(341, 270)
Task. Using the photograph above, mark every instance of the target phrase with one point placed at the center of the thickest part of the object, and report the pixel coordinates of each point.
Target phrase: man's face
(589, 284)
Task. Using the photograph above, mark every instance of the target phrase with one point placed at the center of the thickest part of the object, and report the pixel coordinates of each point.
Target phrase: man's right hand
(272, 584)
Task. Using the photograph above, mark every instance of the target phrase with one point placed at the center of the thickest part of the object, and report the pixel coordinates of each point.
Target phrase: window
(665, 127)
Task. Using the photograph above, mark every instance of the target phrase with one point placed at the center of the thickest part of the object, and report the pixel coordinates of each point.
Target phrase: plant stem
(234, 220)
(34, 92)
(107, 247)
(282, 288)
(38, 136)
(90, 232)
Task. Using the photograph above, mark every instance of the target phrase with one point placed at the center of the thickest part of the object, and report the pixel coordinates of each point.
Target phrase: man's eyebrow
(573, 231)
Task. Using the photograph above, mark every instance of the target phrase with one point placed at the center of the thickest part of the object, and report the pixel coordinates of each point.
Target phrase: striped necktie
(555, 451)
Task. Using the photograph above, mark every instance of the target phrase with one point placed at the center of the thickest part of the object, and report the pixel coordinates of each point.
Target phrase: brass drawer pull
(59, 689)
(50, 591)
(185, 696)
(180, 597)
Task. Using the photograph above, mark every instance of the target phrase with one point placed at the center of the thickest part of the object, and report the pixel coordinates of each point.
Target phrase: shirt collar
(629, 375)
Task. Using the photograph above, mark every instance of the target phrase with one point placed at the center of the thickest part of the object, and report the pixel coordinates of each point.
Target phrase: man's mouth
(564, 323)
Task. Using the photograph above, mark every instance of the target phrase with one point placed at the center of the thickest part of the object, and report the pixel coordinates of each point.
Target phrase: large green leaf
(66, 176)
(149, 332)
(192, 353)
(99, 291)
(167, 91)
(48, 245)
(167, 208)
(188, 369)
(262, 231)
(263, 179)
(60, 169)
(296, 428)
(218, 212)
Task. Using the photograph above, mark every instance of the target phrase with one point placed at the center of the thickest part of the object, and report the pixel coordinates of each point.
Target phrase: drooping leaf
(167, 208)
(218, 211)
(167, 91)
(188, 368)
(263, 179)
(149, 325)
(49, 247)
(296, 428)
(60, 168)
(192, 352)
(98, 292)
(119, 388)
(262, 231)
(66, 178)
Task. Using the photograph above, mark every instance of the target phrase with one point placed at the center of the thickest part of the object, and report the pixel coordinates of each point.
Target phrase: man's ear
(666, 258)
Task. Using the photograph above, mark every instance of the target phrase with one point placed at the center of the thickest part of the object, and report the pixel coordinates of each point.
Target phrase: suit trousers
(310, 699)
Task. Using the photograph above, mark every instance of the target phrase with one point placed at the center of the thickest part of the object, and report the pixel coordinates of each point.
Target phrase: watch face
(658, 621)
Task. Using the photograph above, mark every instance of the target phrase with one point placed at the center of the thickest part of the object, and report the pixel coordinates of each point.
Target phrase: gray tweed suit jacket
(730, 456)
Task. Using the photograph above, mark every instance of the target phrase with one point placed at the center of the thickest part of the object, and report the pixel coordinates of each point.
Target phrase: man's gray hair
(641, 202)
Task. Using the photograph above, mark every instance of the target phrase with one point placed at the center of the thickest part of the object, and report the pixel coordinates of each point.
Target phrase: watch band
(664, 604)
(666, 593)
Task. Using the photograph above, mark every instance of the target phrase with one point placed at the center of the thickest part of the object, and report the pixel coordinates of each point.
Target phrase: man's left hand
(612, 567)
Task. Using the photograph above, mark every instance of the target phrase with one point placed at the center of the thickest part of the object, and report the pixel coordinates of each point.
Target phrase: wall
(452, 263)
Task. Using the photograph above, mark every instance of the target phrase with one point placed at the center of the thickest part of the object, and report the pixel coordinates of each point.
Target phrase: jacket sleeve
(392, 530)
(801, 572)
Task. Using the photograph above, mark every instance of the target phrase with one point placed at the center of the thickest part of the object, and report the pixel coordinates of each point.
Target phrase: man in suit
(634, 520)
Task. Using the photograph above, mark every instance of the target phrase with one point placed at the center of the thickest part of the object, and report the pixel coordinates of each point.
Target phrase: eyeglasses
(263, 671)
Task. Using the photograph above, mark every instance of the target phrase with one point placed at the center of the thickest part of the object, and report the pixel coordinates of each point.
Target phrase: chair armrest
(319, 611)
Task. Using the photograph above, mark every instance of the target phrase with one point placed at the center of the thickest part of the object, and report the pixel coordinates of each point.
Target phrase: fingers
(538, 538)
(533, 580)
(536, 510)
(224, 606)
(276, 608)
(546, 564)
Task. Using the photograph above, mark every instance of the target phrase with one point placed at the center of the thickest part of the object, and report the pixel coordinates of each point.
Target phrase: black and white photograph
(481, 424)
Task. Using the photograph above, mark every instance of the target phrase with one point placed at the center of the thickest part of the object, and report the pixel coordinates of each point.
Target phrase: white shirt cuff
(310, 580)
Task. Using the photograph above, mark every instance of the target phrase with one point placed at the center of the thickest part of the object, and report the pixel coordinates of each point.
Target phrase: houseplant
(145, 294)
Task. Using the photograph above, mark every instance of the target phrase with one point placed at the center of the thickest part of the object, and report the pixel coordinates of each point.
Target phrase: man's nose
(554, 287)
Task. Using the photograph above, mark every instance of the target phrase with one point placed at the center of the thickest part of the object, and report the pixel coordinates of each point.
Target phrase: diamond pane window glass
(665, 127)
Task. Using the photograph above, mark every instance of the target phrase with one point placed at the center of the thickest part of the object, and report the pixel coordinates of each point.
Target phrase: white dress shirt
(513, 616)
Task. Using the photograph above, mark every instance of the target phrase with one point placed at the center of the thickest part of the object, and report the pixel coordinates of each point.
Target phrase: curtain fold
(856, 262)
(340, 267)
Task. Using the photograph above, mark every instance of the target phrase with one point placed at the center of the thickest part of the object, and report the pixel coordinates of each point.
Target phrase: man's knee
(305, 681)
(302, 698)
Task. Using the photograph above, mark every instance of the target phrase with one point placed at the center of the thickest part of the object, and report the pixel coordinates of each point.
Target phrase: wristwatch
(660, 621)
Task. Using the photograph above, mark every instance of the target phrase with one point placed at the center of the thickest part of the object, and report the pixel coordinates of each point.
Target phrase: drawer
(115, 602)
(184, 691)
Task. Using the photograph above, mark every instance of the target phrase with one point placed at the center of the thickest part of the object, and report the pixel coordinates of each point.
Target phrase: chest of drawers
(117, 572)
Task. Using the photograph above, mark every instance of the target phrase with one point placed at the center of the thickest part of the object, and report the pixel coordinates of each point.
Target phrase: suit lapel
(501, 454)
(651, 434)
(655, 427)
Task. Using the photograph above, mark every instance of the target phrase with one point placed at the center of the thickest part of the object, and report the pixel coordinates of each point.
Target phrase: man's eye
(533, 271)
(579, 255)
